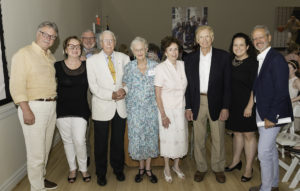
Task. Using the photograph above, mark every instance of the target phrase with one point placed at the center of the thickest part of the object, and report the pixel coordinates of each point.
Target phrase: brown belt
(203, 94)
(46, 99)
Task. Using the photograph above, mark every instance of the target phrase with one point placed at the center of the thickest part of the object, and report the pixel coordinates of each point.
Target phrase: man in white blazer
(105, 72)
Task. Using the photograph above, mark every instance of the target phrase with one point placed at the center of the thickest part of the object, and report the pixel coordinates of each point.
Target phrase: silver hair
(264, 27)
(48, 24)
(107, 32)
(138, 39)
(86, 31)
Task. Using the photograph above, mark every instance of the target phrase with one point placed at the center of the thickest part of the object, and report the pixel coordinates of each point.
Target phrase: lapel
(196, 70)
(175, 74)
(266, 62)
(212, 66)
(103, 67)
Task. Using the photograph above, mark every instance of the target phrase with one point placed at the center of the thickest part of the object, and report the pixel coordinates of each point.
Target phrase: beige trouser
(217, 139)
(38, 140)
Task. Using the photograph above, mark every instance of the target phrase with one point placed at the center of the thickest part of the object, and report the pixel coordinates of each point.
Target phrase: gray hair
(139, 39)
(86, 31)
(107, 32)
(48, 24)
(264, 27)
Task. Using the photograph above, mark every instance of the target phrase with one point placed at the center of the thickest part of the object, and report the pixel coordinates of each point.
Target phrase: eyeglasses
(74, 47)
(47, 36)
(88, 38)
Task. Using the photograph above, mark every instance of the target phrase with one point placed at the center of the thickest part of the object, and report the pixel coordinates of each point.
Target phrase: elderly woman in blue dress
(141, 109)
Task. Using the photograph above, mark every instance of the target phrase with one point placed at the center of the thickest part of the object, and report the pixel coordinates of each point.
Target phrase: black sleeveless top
(72, 87)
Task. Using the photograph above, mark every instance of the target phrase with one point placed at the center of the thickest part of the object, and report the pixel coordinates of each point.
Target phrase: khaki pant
(38, 140)
(217, 139)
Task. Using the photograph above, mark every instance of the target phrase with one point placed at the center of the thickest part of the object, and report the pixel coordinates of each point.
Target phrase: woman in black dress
(72, 107)
(242, 113)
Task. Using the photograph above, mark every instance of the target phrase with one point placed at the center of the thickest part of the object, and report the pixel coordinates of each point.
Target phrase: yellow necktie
(111, 68)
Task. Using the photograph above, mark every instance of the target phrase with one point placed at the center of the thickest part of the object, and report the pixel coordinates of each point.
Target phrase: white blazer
(102, 86)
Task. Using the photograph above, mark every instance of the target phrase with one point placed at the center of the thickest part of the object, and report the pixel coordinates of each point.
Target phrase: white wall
(20, 21)
(152, 19)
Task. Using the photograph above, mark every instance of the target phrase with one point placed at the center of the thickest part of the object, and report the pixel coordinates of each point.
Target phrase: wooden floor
(57, 171)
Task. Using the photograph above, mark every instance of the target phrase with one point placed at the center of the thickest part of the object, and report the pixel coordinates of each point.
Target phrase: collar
(38, 49)
(208, 54)
(170, 63)
(263, 54)
(88, 50)
(112, 55)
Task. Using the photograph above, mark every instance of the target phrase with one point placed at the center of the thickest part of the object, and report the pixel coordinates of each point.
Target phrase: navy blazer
(219, 83)
(271, 88)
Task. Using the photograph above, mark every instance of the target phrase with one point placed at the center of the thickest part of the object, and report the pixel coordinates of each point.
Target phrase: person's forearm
(24, 106)
(159, 102)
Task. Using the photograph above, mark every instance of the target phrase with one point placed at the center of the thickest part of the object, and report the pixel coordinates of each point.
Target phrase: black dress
(72, 86)
(243, 77)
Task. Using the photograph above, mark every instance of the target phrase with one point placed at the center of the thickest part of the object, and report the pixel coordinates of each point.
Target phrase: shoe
(255, 188)
(101, 180)
(72, 179)
(49, 185)
(292, 149)
(120, 176)
(179, 173)
(139, 177)
(220, 177)
(152, 177)
(88, 161)
(237, 166)
(86, 178)
(199, 176)
(167, 178)
(275, 189)
(246, 179)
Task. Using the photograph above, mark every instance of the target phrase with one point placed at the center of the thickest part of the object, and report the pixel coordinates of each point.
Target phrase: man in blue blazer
(208, 72)
(271, 94)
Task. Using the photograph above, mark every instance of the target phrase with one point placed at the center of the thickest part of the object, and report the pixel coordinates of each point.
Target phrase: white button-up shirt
(204, 70)
(261, 57)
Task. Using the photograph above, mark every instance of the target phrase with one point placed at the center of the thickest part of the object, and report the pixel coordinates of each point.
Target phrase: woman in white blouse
(170, 84)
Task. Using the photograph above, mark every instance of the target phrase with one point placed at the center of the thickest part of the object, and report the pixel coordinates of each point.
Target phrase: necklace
(236, 62)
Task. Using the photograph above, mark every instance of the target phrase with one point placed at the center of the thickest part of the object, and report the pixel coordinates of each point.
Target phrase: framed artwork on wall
(4, 79)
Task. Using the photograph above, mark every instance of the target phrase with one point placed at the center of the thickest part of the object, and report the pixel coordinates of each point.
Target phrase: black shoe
(120, 176)
(49, 185)
(246, 179)
(139, 177)
(73, 178)
(88, 161)
(101, 180)
(152, 177)
(237, 166)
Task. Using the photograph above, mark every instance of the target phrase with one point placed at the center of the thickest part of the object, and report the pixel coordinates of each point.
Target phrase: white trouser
(72, 131)
(38, 140)
(268, 156)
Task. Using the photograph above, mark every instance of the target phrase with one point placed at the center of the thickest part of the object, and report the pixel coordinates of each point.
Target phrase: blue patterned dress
(141, 111)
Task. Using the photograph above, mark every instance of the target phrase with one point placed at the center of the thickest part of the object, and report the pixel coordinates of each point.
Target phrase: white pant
(72, 131)
(38, 140)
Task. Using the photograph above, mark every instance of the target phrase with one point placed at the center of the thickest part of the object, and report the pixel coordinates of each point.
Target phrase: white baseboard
(14, 179)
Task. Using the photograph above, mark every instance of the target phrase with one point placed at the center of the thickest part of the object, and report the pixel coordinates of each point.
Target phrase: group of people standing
(210, 85)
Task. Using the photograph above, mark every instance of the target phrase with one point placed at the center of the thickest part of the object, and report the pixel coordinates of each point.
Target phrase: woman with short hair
(72, 107)
(170, 85)
(141, 109)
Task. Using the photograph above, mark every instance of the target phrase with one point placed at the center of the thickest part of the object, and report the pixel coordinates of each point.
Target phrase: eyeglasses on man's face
(48, 36)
